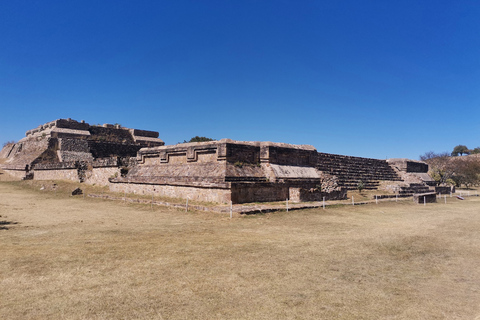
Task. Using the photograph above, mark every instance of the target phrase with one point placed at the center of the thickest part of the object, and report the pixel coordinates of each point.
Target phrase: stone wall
(100, 175)
(259, 192)
(17, 174)
(408, 165)
(96, 172)
(218, 195)
(102, 149)
(312, 194)
(58, 174)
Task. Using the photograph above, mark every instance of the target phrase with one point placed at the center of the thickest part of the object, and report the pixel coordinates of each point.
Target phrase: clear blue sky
(365, 78)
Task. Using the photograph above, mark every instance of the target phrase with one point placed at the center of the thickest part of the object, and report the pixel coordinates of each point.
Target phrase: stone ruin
(137, 161)
(67, 149)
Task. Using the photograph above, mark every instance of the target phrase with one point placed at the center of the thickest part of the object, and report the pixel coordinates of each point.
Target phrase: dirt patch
(87, 258)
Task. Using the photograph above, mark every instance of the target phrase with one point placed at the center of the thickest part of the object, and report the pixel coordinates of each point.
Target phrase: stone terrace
(350, 170)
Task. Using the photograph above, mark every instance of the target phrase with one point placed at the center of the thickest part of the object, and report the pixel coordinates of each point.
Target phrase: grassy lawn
(67, 257)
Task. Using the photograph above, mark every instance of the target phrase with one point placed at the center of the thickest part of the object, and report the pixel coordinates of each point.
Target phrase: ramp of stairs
(350, 170)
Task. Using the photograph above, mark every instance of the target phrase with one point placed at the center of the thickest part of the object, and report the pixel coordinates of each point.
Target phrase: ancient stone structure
(136, 161)
(67, 149)
(227, 170)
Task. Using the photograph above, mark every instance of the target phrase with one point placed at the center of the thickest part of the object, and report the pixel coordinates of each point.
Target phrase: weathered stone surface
(67, 141)
(408, 165)
(247, 171)
(136, 161)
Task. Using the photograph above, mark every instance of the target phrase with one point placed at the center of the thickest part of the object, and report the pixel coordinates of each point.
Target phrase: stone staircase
(350, 170)
(414, 188)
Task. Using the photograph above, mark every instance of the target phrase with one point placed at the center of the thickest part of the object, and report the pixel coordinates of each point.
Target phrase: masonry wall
(304, 194)
(60, 174)
(259, 192)
(17, 174)
(218, 195)
(100, 176)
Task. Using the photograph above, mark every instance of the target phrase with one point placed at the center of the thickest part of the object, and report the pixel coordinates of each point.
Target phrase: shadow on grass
(5, 223)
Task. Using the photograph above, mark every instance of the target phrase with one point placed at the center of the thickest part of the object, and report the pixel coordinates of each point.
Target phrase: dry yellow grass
(70, 258)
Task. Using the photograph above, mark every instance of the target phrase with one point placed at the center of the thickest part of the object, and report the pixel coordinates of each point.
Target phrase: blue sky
(365, 78)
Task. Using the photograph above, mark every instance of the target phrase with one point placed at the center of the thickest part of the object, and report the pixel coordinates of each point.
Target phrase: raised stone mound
(136, 161)
(226, 170)
(66, 144)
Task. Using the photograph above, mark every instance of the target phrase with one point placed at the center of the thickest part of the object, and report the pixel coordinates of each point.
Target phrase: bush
(360, 186)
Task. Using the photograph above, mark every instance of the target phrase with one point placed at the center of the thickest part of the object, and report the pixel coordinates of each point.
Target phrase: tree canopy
(460, 150)
(199, 139)
(475, 150)
(440, 165)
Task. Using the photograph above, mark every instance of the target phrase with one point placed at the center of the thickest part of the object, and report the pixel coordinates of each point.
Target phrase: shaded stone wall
(259, 192)
(100, 149)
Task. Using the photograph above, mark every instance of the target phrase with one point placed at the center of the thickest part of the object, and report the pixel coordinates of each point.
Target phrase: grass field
(72, 258)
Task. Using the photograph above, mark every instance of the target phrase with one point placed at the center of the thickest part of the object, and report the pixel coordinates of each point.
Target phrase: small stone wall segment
(59, 174)
(259, 192)
(73, 145)
(143, 133)
(100, 175)
(219, 195)
(196, 174)
(17, 174)
(350, 170)
(408, 165)
(102, 149)
(294, 172)
(96, 172)
(312, 194)
(430, 197)
(67, 133)
(297, 156)
(240, 171)
(444, 190)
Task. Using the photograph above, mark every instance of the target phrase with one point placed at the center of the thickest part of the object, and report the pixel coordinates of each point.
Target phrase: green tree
(360, 186)
(467, 172)
(460, 150)
(199, 139)
(475, 150)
